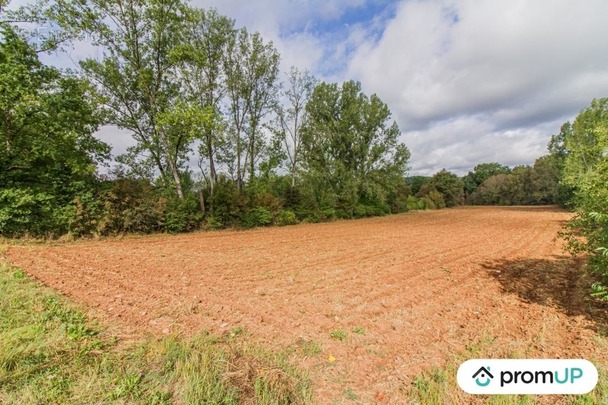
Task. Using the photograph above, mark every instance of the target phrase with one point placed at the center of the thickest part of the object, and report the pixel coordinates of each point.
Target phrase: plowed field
(409, 291)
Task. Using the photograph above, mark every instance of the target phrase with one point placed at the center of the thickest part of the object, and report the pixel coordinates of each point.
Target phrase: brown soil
(422, 286)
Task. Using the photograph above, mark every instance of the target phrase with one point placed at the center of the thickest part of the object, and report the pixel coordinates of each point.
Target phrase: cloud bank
(468, 81)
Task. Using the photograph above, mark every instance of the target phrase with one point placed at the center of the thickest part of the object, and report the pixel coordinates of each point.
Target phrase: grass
(311, 348)
(338, 334)
(439, 386)
(52, 353)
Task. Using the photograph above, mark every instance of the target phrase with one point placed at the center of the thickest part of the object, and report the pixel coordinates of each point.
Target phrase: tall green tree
(544, 181)
(558, 153)
(134, 72)
(292, 117)
(481, 173)
(261, 89)
(450, 186)
(351, 147)
(48, 154)
(252, 68)
(200, 68)
(586, 172)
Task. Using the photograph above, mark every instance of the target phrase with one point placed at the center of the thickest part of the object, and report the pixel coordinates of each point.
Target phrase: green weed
(311, 348)
(338, 334)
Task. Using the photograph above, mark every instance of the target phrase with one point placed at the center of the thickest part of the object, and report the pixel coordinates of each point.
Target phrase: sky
(468, 81)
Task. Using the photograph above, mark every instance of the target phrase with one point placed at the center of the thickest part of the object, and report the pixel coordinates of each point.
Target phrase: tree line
(494, 184)
(218, 140)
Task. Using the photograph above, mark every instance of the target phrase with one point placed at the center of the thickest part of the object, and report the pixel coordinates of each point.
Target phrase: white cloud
(509, 67)
(290, 25)
(460, 144)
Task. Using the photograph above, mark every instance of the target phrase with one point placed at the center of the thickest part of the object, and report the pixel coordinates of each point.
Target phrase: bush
(330, 214)
(437, 199)
(27, 211)
(258, 216)
(427, 204)
(360, 211)
(131, 206)
(229, 206)
(84, 215)
(268, 201)
(182, 215)
(430, 197)
(413, 204)
(400, 204)
(213, 223)
(363, 210)
(286, 217)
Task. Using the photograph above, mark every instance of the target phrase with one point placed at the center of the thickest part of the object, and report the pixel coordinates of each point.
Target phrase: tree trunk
(239, 180)
(178, 180)
(201, 199)
(212, 172)
(251, 161)
(173, 166)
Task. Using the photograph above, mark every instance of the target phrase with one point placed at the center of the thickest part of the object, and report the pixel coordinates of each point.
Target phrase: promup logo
(483, 374)
(527, 376)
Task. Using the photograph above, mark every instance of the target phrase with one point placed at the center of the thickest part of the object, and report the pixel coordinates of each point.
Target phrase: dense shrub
(286, 217)
(182, 215)
(228, 204)
(25, 210)
(212, 223)
(367, 210)
(258, 216)
(131, 205)
(427, 204)
(85, 213)
(413, 203)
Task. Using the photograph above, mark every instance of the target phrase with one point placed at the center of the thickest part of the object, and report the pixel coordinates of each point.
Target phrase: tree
(558, 153)
(586, 143)
(352, 153)
(261, 87)
(544, 178)
(48, 154)
(500, 189)
(200, 68)
(586, 172)
(430, 197)
(251, 68)
(134, 74)
(481, 173)
(293, 117)
(416, 183)
(450, 186)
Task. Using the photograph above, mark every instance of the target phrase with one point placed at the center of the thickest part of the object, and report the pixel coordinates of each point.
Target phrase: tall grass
(439, 386)
(51, 353)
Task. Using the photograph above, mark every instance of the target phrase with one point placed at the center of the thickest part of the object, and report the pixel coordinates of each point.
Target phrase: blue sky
(358, 14)
(468, 81)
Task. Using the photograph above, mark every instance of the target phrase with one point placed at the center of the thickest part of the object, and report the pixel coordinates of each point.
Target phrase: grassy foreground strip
(439, 386)
(51, 353)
